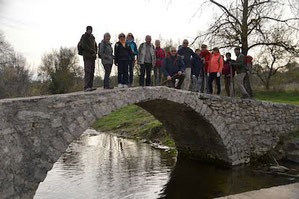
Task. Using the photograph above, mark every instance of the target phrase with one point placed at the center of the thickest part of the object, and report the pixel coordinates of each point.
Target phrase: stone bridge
(35, 131)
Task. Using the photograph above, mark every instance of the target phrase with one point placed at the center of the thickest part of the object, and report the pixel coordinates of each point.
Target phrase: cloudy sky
(35, 27)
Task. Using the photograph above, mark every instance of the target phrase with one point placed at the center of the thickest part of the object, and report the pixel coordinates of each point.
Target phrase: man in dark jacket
(229, 73)
(185, 52)
(173, 68)
(197, 72)
(89, 46)
(240, 67)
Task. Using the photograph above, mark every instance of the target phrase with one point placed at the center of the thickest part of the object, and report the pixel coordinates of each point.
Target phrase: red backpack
(249, 63)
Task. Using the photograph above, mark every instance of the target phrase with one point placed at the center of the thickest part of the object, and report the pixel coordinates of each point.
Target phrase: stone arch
(43, 127)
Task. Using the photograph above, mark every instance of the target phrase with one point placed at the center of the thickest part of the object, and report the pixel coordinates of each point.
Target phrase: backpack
(249, 63)
(99, 50)
(79, 48)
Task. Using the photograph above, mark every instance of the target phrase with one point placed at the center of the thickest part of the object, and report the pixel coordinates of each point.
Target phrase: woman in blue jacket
(130, 42)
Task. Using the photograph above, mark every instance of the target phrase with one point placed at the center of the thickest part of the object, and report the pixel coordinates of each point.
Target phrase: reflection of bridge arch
(36, 131)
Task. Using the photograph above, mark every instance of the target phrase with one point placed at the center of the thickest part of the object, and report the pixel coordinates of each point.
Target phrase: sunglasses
(185, 42)
(173, 51)
(121, 36)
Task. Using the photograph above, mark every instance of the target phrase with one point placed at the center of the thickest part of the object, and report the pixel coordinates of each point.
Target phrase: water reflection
(105, 166)
(192, 179)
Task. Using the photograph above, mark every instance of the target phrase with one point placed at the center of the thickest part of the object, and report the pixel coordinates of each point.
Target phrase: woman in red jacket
(160, 55)
(206, 56)
(214, 70)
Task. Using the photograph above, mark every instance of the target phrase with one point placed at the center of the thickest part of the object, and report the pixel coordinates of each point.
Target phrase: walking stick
(163, 83)
(232, 94)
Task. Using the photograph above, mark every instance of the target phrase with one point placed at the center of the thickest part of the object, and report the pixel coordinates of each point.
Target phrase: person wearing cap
(89, 47)
(206, 56)
(122, 52)
(146, 60)
(185, 52)
(130, 42)
(160, 55)
(240, 67)
(173, 69)
(106, 55)
(214, 71)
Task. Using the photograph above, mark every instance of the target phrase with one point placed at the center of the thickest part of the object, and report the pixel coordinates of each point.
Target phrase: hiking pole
(163, 83)
(231, 81)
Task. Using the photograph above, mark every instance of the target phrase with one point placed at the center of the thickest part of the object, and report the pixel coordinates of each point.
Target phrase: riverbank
(135, 123)
(290, 191)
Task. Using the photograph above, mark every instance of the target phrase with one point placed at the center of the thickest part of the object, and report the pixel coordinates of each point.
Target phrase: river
(100, 166)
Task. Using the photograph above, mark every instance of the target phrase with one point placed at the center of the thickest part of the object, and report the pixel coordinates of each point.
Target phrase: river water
(100, 166)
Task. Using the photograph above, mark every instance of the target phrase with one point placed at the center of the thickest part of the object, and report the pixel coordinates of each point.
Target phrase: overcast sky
(35, 27)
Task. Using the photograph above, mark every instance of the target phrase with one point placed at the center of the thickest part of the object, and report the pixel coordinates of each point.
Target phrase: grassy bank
(134, 122)
(291, 97)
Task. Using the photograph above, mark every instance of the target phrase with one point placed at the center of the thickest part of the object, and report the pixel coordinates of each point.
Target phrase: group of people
(182, 68)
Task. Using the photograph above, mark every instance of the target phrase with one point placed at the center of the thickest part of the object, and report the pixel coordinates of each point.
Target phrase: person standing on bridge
(89, 47)
(240, 66)
(173, 68)
(205, 56)
(160, 55)
(106, 54)
(146, 60)
(122, 52)
(229, 73)
(185, 52)
(133, 46)
(197, 72)
(214, 71)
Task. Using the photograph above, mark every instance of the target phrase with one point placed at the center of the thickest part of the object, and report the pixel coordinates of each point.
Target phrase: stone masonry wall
(35, 131)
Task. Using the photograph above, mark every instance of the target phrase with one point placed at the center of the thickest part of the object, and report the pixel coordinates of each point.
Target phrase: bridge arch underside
(194, 136)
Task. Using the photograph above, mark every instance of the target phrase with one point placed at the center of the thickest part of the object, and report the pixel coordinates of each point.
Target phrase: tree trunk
(244, 28)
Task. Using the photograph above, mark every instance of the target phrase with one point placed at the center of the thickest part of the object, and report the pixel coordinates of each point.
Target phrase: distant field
(280, 97)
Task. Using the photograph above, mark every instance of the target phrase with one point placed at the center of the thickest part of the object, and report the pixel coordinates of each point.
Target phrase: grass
(134, 122)
(291, 97)
(295, 134)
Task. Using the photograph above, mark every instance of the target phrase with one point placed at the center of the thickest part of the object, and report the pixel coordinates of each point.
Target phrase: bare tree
(62, 71)
(271, 60)
(248, 23)
(15, 79)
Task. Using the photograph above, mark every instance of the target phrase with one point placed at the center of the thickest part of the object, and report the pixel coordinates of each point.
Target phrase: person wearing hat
(214, 70)
(130, 42)
(89, 47)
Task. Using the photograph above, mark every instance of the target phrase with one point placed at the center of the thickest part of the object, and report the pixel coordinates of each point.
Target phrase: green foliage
(60, 70)
(295, 134)
(134, 122)
(291, 97)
